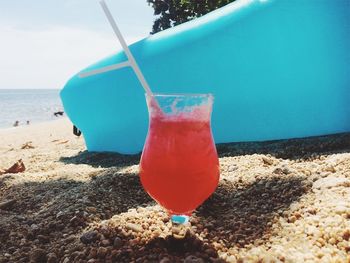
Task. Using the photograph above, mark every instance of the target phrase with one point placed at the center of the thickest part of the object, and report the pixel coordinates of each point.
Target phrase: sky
(45, 42)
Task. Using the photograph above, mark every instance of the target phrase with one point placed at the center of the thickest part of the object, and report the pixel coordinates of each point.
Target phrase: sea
(28, 105)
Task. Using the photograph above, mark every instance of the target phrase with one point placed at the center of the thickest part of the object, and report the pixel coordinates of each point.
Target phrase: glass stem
(180, 225)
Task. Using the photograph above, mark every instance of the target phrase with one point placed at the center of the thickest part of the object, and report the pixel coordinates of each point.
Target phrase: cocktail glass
(179, 165)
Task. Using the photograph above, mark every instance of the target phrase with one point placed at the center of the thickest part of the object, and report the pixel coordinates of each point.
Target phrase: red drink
(179, 164)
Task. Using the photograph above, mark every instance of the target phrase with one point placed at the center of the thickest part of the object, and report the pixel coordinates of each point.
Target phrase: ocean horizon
(28, 105)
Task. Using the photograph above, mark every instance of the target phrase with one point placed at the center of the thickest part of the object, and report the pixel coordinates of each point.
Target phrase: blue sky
(44, 42)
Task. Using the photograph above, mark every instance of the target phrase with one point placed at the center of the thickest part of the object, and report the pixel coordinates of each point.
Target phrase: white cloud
(49, 57)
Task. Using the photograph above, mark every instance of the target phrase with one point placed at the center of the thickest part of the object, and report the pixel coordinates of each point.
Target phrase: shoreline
(33, 123)
(33, 105)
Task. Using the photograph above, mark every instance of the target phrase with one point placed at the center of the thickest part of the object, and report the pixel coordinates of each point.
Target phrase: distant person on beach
(28, 122)
(16, 124)
(58, 113)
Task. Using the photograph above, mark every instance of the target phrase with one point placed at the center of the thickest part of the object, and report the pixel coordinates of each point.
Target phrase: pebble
(332, 241)
(101, 252)
(105, 242)
(330, 168)
(34, 227)
(193, 259)
(231, 259)
(52, 258)
(292, 219)
(7, 204)
(286, 170)
(232, 168)
(89, 237)
(75, 220)
(117, 243)
(267, 160)
(38, 256)
(93, 252)
(253, 218)
(165, 260)
(278, 170)
(346, 235)
(329, 182)
(341, 209)
(60, 214)
(134, 227)
(91, 209)
(43, 239)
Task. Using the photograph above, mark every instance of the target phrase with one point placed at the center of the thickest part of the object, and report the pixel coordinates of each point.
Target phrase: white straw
(127, 51)
(105, 69)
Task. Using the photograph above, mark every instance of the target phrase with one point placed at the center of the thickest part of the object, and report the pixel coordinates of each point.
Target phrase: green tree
(174, 12)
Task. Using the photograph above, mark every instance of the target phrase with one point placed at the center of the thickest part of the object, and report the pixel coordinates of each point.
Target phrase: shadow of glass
(237, 214)
(102, 159)
(126, 248)
(175, 250)
(303, 148)
(243, 214)
(190, 248)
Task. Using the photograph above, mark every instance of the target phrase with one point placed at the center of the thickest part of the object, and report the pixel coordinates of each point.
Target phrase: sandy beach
(282, 201)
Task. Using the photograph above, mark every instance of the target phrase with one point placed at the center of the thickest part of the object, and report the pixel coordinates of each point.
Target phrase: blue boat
(278, 69)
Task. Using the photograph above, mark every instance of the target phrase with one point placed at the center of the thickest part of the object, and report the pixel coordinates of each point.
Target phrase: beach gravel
(279, 201)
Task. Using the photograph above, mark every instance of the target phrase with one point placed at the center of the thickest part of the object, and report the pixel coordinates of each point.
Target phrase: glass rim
(179, 95)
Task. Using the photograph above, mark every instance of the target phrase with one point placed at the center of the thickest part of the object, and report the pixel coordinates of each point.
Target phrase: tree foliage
(174, 12)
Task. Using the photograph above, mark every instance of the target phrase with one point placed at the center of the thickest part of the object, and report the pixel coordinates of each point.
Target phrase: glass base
(180, 225)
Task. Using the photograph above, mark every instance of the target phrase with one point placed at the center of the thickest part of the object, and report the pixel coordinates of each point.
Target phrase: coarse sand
(279, 201)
